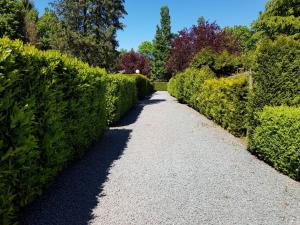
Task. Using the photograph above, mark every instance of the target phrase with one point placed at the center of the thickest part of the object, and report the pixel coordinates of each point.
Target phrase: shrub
(224, 100)
(52, 108)
(222, 63)
(160, 86)
(186, 85)
(277, 139)
(275, 77)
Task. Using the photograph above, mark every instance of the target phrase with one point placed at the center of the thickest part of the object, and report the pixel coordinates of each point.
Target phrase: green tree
(244, 35)
(11, 19)
(162, 45)
(279, 17)
(49, 31)
(90, 27)
(146, 48)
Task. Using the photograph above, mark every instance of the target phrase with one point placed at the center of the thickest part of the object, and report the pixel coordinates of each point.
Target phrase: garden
(63, 82)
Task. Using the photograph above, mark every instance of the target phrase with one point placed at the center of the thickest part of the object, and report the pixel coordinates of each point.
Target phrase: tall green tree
(162, 45)
(90, 27)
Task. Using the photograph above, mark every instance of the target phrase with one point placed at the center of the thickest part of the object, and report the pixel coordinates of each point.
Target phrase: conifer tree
(162, 45)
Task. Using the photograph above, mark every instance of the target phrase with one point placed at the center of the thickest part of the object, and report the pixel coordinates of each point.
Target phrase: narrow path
(164, 163)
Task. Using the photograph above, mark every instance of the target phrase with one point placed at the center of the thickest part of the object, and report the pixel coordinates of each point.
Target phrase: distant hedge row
(52, 108)
(223, 100)
(273, 129)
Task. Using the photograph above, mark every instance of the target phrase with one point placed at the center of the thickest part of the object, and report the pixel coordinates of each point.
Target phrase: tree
(190, 41)
(162, 45)
(11, 19)
(146, 48)
(49, 31)
(132, 61)
(91, 27)
(244, 36)
(279, 17)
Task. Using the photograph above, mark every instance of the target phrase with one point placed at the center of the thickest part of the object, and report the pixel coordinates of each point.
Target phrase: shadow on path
(72, 197)
(132, 116)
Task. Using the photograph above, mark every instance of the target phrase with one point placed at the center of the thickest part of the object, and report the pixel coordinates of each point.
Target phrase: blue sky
(144, 15)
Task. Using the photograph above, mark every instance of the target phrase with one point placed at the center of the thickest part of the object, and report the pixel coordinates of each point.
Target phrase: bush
(160, 86)
(277, 139)
(52, 108)
(275, 77)
(186, 85)
(224, 100)
(124, 91)
(222, 64)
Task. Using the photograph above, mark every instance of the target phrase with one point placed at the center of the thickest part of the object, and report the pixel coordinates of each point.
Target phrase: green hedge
(277, 139)
(224, 101)
(52, 108)
(186, 85)
(160, 86)
(276, 79)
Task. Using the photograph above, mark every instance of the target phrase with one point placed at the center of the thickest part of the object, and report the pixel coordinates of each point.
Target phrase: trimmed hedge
(52, 107)
(160, 86)
(186, 85)
(276, 78)
(224, 101)
(277, 139)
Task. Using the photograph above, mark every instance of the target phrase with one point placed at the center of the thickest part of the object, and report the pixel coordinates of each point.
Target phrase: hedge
(160, 86)
(186, 85)
(52, 107)
(224, 101)
(276, 79)
(277, 139)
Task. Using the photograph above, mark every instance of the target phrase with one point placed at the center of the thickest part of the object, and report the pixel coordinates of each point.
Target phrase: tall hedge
(52, 108)
(277, 138)
(276, 78)
(224, 100)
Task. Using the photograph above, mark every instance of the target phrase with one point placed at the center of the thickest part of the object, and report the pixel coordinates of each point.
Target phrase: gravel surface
(164, 163)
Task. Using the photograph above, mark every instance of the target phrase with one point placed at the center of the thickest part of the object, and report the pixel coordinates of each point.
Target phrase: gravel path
(164, 163)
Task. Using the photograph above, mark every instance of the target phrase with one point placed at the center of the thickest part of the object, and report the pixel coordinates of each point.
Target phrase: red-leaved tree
(190, 41)
(132, 61)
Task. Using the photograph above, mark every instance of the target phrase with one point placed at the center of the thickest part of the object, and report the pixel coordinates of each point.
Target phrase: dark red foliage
(190, 41)
(132, 61)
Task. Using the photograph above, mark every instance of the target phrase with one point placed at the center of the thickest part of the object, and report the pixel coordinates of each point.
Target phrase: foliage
(185, 86)
(191, 41)
(146, 48)
(222, 63)
(90, 29)
(244, 35)
(160, 86)
(224, 100)
(11, 19)
(162, 45)
(52, 107)
(279, 17)
(275, 77)
(49, 28)
(277, 139)
(132, 61)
